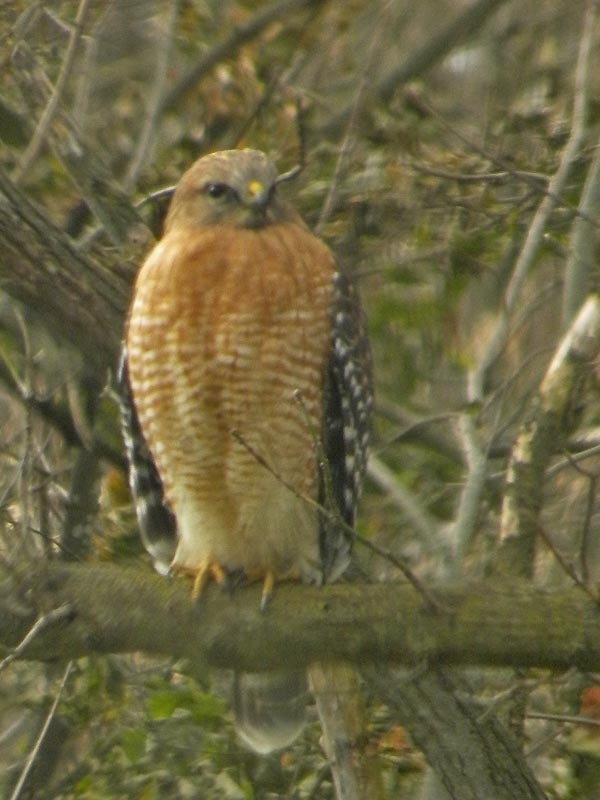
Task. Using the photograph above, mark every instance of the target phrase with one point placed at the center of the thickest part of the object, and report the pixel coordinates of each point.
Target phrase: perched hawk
(246, 398)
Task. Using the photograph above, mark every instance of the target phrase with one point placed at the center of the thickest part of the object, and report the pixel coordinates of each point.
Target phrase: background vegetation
(452, 163)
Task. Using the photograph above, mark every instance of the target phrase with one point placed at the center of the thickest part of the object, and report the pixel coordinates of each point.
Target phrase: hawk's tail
(270, 708)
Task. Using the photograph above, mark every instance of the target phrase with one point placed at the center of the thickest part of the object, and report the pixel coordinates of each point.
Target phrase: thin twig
(408, 573)
(465, 522)
(26, 470)
(420, 430)
(41, 130)
(406, 501)
(573, 459)
(587, 532)
(51, 618)
(150, 128)
(293, 173)
(566, 565)
(499, 336)
(349, 140)
(337, 520)
(42, 734)
(226, 49)
(570, 719)
(331, 515)
(485, 177)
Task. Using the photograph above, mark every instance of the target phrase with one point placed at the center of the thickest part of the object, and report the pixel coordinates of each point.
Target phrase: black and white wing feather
(156, 521)
(347, 423)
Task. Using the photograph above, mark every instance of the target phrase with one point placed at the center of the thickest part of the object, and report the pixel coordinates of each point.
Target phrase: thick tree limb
(118, 610)
(473, 755)
(79, 299)
(551, 415)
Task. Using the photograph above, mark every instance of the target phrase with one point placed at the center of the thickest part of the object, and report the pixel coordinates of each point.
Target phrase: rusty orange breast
(228, 338)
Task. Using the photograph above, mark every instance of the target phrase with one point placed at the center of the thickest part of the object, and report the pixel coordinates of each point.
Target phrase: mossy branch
(117, 610)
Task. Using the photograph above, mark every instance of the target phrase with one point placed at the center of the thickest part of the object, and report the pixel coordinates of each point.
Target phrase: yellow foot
(269, 578)
(202, 575)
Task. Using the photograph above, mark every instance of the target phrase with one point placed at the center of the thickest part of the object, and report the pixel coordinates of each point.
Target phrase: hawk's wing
(346, 425)
(156, 521)
(348, 405)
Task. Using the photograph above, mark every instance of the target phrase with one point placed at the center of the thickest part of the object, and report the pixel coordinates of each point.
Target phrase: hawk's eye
(216, 190)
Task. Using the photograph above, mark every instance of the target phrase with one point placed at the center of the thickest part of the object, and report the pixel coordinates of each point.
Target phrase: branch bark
(551, 417)
(380, 623)
(472, 754)
(79, 299)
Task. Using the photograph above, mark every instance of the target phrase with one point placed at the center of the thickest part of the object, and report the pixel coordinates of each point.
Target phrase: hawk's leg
(202, 575)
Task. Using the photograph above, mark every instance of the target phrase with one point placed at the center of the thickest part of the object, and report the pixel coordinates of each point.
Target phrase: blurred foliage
(430, 190)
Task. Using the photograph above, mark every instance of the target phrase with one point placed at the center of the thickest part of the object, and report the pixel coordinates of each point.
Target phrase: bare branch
(404, 569)
(349, 140)
(498, 338)
(469, 507)
(472, 753)
(542, 433)
(150, 127)
(79, 299)
(584, 243)
(356, 773)
(404, 500)
(66, 69)
(42, 734)
(224, 50)
(51, 618)
(460, 28)
(425, 56)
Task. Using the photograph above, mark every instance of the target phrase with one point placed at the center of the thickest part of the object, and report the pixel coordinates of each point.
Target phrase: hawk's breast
(228, 339)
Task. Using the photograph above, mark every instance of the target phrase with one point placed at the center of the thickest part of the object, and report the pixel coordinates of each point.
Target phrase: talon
(267, 591)
(202, 575)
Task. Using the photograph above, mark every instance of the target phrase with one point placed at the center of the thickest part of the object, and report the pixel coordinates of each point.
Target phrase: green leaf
(133, 742)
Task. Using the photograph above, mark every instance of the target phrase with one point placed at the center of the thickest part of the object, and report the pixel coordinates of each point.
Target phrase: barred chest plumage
(228, 342)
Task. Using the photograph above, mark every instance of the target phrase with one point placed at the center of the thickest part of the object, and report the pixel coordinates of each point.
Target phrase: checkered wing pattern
(346, 426)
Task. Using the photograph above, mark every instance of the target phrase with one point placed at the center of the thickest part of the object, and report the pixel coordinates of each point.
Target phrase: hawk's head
(232, 187)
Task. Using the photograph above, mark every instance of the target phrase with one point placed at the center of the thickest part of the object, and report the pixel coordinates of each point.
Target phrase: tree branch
(526, 259)
(80, 299)
(472, 754)
(546, 426)
(581, 263)
(458, 30)
(226, 49)
(35, 145)
(524, 626)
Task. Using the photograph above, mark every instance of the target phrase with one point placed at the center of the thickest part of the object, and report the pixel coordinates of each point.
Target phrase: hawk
(246, 396)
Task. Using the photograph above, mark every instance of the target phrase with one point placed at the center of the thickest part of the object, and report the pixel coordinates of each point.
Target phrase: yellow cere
(255, 188)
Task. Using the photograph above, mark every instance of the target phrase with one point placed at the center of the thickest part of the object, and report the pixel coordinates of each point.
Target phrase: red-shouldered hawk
(246, 402)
